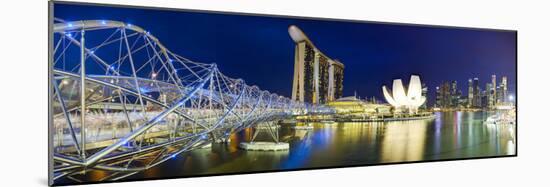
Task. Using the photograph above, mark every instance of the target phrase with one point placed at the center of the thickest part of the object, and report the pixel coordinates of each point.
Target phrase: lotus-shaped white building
(402, 99)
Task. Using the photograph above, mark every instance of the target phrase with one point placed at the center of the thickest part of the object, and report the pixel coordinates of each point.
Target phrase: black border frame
(51, 4)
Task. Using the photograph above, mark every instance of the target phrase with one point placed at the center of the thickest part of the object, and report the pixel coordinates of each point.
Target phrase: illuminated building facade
(448, 96)
(493, 92)
(470, 93)
(353, 105)
(444, 95)
(405, 101)
(317, 78)
(493, 95)
(424, 94)
(456, 94)
(477, 94)
(504, 89)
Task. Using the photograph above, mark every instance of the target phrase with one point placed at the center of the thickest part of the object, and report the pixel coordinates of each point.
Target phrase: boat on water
(499, 120)
(502, 117)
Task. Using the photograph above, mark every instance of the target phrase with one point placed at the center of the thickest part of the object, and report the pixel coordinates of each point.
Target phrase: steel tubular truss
(124, 103)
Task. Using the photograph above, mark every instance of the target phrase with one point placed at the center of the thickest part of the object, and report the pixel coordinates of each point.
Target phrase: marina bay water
(450, 135)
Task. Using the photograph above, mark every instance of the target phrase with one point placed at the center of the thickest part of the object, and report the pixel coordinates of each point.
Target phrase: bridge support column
(82, 95)
(270, 128)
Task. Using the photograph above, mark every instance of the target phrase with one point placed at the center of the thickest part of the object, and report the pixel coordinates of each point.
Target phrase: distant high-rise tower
(455, 94)
(470, 93)
(317, 78)
(438, 97)
(504, 88)
(499, 94)
(493, 91)
(425, 94)
(484, 99)
(488, 101)
(444, 95)
(454, 87)
(477, 93)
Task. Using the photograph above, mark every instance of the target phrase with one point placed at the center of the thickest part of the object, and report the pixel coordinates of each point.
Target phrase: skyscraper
(487, 101)
(484, 98)
(438, 97)
(424, 94)
(477, 93)
(470, 93)
(455, 95)
(317, 78)
(444, 96)
(502, 91)
(499, 94)
(504, 88)
(493, 90)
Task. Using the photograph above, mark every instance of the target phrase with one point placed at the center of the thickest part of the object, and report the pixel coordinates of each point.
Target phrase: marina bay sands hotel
(317, 78)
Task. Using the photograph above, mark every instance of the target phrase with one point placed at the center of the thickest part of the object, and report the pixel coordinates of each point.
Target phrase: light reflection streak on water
(303, 150)
(438, 124)
(340, 144)
(458, 119)
(470, 122)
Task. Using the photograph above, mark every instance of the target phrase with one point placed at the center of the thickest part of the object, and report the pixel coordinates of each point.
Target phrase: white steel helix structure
(123, 103)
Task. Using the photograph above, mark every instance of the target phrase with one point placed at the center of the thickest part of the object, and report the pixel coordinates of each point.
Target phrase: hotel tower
(317, 78)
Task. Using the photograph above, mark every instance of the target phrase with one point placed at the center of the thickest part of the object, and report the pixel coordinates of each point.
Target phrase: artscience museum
(405, 100)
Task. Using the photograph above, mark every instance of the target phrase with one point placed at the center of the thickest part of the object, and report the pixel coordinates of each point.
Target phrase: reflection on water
(449, 135)
(403, 141)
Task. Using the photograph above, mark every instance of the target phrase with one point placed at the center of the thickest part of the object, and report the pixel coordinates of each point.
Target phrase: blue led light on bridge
(143, 90)
(103, 22)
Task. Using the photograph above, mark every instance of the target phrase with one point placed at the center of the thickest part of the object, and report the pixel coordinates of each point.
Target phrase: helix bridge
(123, 103)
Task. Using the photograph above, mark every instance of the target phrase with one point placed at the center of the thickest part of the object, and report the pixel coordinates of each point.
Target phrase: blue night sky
(260, 51)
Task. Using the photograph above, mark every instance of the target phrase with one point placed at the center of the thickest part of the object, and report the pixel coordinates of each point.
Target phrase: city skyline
(373, 53)
(478, 94)
(137, 93)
